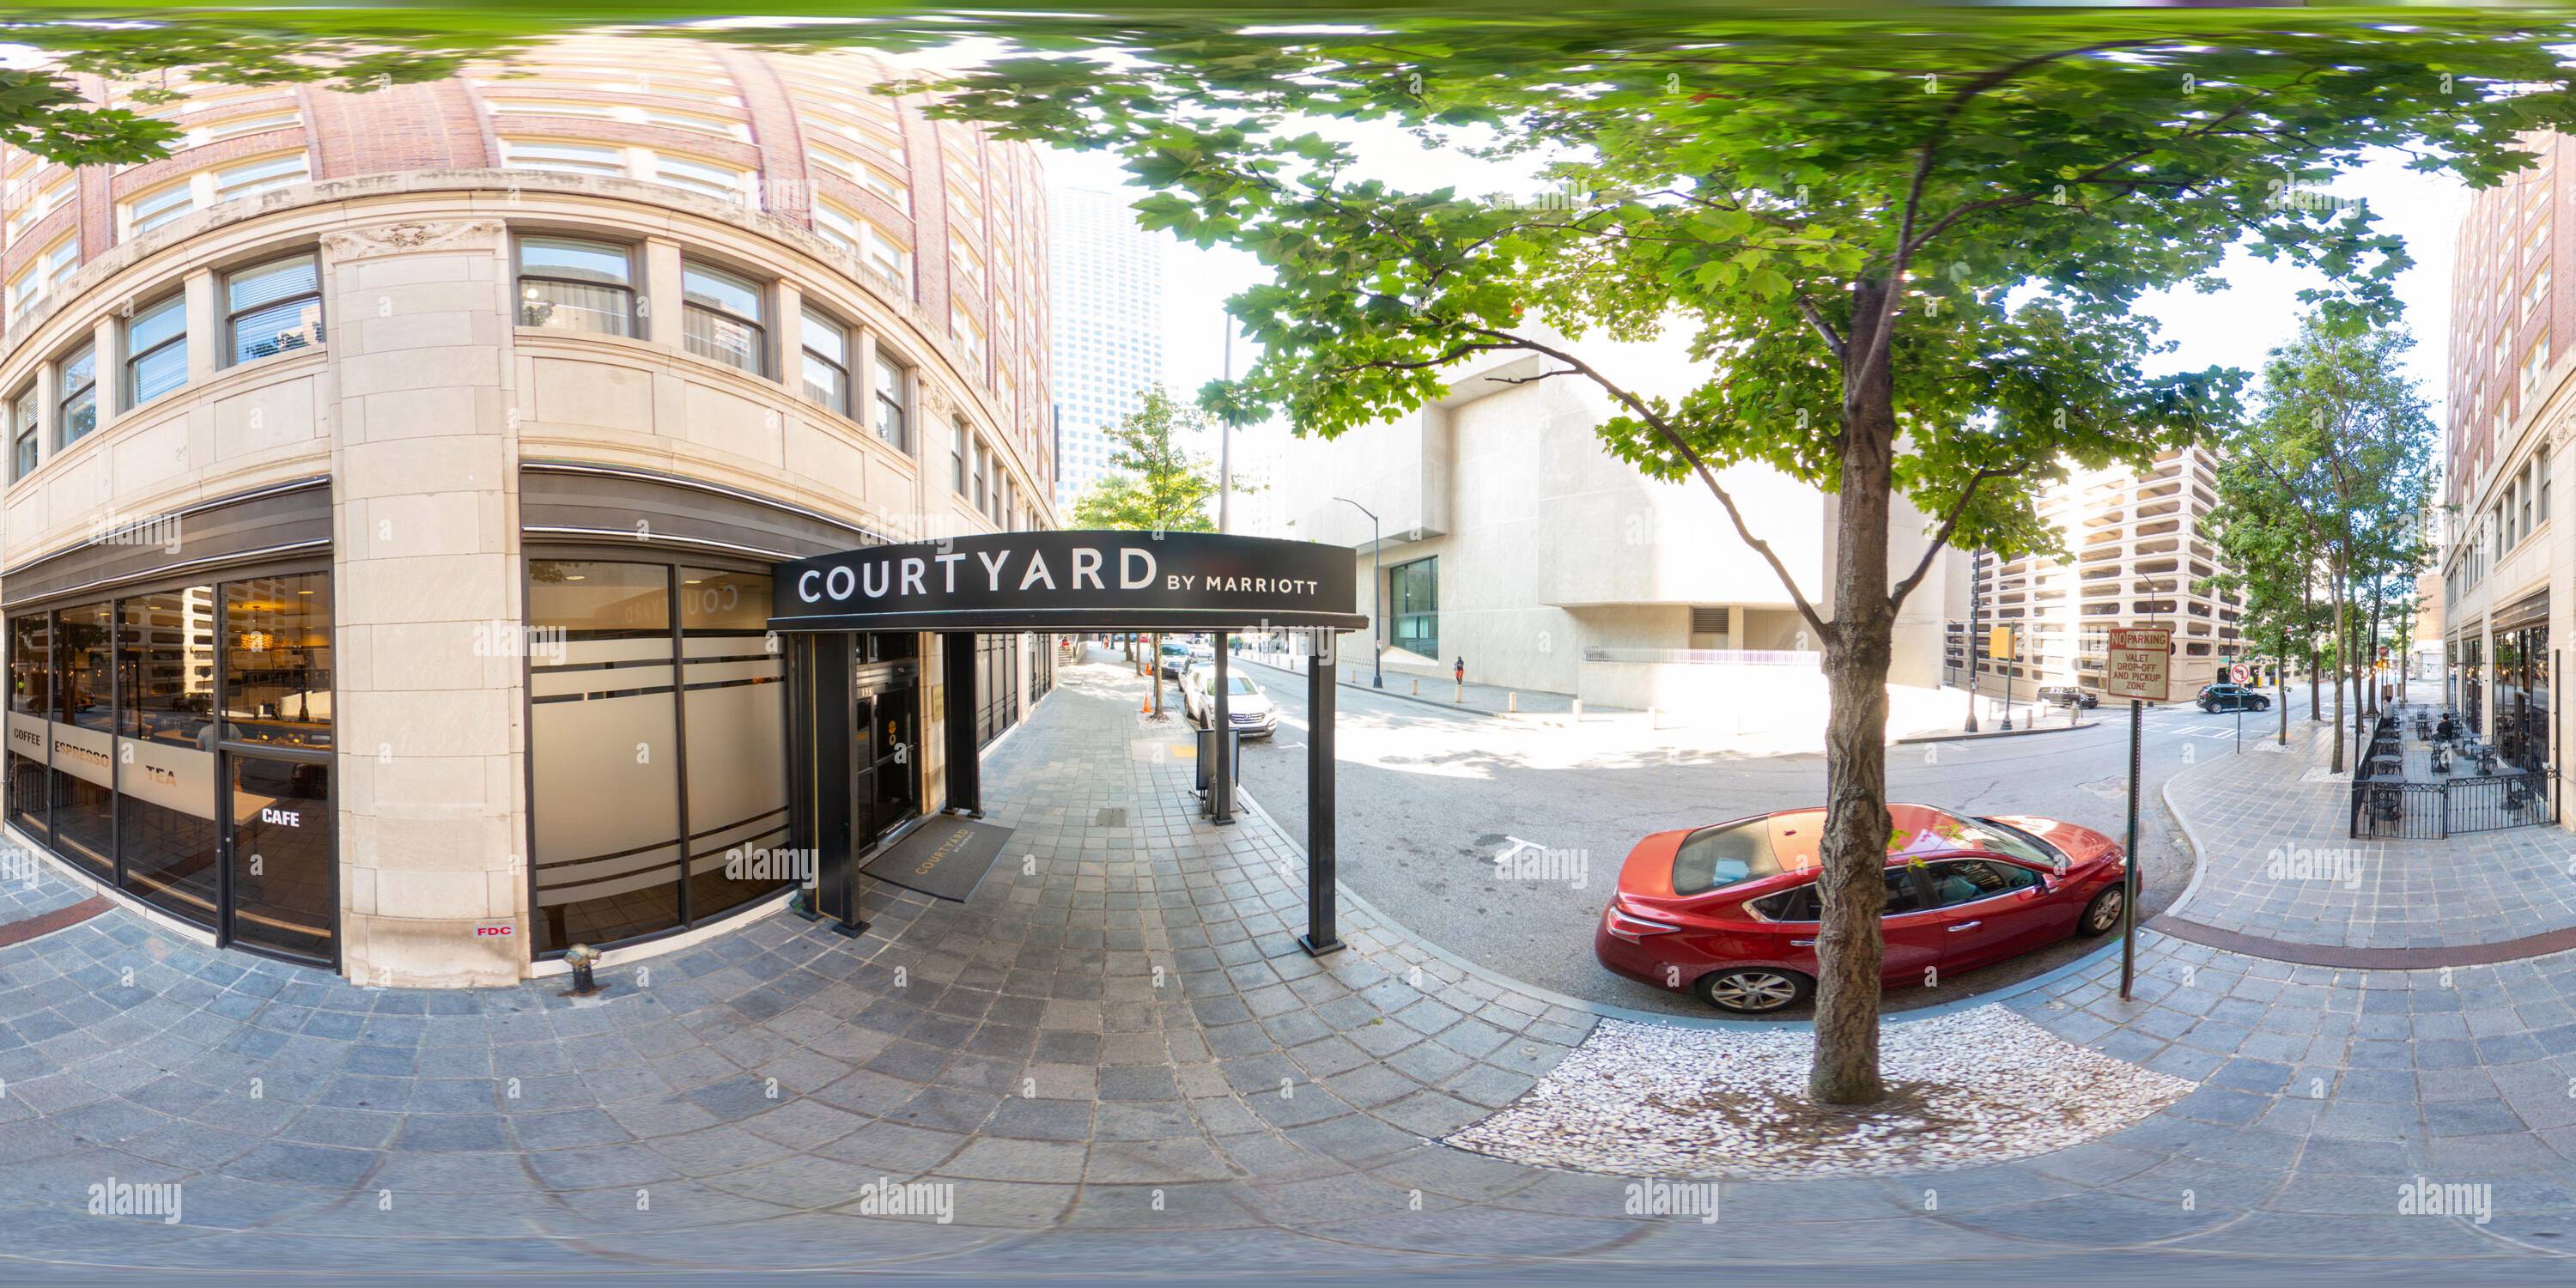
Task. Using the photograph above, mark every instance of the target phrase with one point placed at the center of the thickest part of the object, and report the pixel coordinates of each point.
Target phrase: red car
(1730, 911)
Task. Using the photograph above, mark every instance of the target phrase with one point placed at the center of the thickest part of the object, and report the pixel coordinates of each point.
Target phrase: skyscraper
(1108, 298)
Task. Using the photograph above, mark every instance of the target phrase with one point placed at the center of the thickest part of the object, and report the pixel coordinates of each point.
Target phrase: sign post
(2140, 668)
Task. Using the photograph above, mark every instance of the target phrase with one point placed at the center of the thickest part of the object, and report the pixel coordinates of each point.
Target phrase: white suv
(1245, 704)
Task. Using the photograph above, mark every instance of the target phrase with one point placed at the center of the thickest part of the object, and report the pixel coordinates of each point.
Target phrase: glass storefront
(997, 686)
(119, 760)
(2522, 696)
(1413, 601)
(2473, 685)
(657, 748)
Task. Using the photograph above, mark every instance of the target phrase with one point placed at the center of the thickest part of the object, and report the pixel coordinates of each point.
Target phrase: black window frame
(1398, 614)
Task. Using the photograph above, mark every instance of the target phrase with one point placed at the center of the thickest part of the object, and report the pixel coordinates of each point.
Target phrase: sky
(2257, 311)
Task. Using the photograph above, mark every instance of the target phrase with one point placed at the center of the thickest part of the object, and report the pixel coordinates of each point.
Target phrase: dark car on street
(2233, 697)
(2067, 695)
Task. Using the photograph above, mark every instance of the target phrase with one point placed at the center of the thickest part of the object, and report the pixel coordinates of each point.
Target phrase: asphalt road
(1429, 797)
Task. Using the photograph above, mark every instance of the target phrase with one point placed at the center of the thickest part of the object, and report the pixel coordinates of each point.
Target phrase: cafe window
(77, 414)
(570, 285)
(114, 733)
(629, 840)
(156, 350)
(273, 308)
(723, 317)
(277, 661)
(1413, 598)
(827, 361)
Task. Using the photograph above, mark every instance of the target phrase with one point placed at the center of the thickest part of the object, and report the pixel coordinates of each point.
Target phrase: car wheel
(1753, 990)
(2102, 916)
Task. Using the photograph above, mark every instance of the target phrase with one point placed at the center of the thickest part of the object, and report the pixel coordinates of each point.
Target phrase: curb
(1982, 736)
(1452, 708)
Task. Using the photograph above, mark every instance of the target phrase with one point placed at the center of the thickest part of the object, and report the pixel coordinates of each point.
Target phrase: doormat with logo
(945, 858)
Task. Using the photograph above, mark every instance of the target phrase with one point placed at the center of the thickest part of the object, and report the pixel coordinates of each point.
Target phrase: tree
(1907, 252)
(1158, 486)
(2339, 466)
(2262, 541)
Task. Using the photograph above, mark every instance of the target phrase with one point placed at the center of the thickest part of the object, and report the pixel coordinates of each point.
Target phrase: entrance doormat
(945, 858)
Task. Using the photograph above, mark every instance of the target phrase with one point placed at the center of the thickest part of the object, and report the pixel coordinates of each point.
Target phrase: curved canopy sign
(1078, 580)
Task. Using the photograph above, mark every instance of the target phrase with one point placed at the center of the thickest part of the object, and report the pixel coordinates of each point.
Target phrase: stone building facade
(393, 477)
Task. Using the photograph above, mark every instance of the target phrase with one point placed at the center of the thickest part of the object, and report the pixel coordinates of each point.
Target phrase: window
(970, 337)
(2537, 291)
(251, 178)
(46, 201)
(1413, 598)
(156, 350)
(628, 844)
(723, 318)
(563, 158)
(22, 434)
(890, 404)
(573, 285)
(274, 308)
(50, 271)
(2540, 468)
(827, 362)
(1957, 881)
(78, 413)
(159, 206)
(2535, 363)
(860, 173)
(703, 177)
(874, 248)
(983, 477)
(957, 455)
(255, 123)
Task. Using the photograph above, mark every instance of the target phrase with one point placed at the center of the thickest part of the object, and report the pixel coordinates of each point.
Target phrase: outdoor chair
(2441, 759)
(2384, 804)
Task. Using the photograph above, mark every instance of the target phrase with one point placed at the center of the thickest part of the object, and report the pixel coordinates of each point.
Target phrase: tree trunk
(2308, 623)
(2343, 653)
(1854, 852)
(2281, 686)
(1154, 670)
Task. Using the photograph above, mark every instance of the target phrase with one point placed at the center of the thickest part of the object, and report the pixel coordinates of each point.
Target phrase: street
(1429, 798)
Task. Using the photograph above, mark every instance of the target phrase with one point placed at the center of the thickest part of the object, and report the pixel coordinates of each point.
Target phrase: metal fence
(2385, 805)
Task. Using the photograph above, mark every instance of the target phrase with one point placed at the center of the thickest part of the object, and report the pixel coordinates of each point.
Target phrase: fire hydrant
(581, 957)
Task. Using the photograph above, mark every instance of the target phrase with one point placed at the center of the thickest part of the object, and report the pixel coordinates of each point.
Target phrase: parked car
(1246, 705)
(2068, 695)
(2232, 697)
(1730, 912)
(1176, 658)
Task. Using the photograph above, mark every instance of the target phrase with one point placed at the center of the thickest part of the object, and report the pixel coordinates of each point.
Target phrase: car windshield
(2003, 838)
(1724, 856)
(1239, 686)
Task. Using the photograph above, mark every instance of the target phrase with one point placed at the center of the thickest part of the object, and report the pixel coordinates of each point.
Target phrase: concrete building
(2134, 557)
(1505, 534)
(395, 478)
(1108, 294)
(2506, 574)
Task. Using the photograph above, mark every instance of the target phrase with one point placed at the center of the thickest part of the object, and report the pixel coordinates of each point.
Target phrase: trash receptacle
(1207, 761)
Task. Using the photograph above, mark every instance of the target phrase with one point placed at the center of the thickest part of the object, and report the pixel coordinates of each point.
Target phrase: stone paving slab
(1114, 1060)
(2278, 863)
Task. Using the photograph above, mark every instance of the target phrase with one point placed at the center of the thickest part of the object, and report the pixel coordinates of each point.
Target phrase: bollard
(1578, 712)
(1512, 703)
(1651, 720)
(1417, 686)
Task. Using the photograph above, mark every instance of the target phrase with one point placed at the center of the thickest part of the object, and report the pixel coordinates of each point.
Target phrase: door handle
(1802, 943)
(1965, 925)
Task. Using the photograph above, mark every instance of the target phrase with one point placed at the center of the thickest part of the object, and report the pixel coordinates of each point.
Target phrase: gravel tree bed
(1979, 1086)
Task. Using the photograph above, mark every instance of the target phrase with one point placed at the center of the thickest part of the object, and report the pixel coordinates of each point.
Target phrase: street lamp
(1377, 576)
